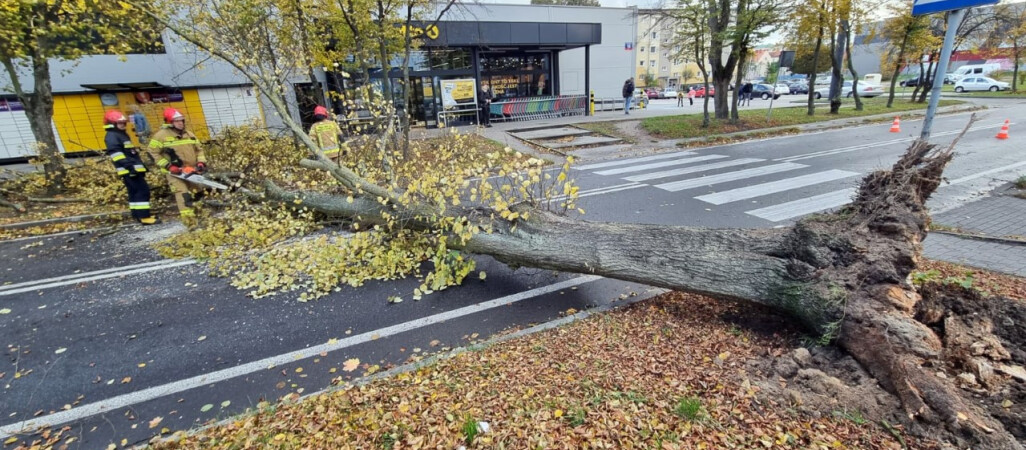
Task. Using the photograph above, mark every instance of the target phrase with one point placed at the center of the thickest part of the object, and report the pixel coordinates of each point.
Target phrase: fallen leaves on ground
(667, 373)
(991, 282)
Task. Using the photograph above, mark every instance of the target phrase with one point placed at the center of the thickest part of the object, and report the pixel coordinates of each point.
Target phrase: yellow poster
(458, 92)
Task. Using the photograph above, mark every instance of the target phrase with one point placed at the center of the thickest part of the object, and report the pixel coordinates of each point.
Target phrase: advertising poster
(459, 93)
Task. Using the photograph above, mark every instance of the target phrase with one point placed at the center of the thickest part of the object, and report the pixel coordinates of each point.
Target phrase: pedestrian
(178, 151)
(141, 125)
(484, 103)
(324, 133)
(129, 166)
(628, 95)
(680, 98)
(691, 96)
(746, 94)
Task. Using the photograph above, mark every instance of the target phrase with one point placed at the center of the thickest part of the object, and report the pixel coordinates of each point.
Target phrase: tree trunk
(844, 275)
(1015, 68)
(39, 108)
(837, 68)
(928, 82)
(897, 66)
(812, 77)
(844, 25)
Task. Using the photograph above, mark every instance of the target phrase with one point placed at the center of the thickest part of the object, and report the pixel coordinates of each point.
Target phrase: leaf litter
(672, 372)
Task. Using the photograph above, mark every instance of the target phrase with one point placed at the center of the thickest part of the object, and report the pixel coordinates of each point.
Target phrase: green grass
(689, 408)
(690, 126)
(1021, 182)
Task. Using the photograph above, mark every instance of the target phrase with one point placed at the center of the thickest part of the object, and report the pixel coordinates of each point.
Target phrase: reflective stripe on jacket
(325, 135)
(122, 152)
(169, 146)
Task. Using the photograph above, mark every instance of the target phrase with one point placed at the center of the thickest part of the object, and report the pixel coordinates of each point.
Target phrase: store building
(533, 56)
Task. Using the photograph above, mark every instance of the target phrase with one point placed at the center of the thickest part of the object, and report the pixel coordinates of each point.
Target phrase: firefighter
(177, 151)
(325, 133)
(129, 166)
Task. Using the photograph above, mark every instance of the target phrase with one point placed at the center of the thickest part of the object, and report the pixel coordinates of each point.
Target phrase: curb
(996, 240)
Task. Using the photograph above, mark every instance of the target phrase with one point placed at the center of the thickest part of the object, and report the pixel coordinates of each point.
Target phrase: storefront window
(517, 75)
(456, 59)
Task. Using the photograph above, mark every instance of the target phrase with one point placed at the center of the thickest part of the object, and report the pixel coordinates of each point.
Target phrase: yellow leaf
(558, 413)
(279, 437)
(10, 440)
(351, 364)
(155, 422)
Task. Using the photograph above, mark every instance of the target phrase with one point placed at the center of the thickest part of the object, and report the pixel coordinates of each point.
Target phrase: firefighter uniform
(325, 134)
(175, 149)
(129, 166)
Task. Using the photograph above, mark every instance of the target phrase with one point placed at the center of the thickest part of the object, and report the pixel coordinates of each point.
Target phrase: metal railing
(531, 108)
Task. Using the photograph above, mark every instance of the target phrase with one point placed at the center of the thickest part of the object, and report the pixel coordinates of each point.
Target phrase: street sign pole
(954, 19)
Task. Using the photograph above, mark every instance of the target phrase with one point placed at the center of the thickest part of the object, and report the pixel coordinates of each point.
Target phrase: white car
(865, 90)
(980, 84)
(670, 93)
(782, 88)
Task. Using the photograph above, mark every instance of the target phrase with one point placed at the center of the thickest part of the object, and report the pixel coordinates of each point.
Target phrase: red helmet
(321, 111)
(113, 116)
(171, 114)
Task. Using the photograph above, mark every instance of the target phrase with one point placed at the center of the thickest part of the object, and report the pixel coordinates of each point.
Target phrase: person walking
(484, 103)
(141, 125)
(746, 94)
(628, 95)
(129, 166)
(178, 151)
(325, 133)
(680, 98)
(691, 96)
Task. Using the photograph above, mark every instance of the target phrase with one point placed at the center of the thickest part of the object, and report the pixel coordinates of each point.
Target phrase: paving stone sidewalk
(992, 217)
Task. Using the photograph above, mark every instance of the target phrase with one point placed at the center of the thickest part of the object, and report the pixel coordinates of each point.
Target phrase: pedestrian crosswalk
(741, 178)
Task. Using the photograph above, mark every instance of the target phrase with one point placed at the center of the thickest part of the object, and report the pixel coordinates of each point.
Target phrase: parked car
(700, 91)
(670, 93)
(651, 93)
(799, 88)
(913, 82)
(782, 88)
(981, 84)
(764, 91)
(865, 90)
(951, 78)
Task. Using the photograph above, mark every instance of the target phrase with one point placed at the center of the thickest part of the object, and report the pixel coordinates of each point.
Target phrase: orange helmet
(113, 116)
(321, 111)
(171, 114)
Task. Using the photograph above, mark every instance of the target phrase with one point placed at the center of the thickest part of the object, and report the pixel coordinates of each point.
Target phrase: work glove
(201, 168)
(175, 170)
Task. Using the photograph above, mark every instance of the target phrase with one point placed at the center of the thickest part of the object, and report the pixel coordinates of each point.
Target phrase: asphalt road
(104, 336)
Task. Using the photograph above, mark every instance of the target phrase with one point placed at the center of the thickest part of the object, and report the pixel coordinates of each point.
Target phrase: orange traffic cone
(1003, 134)
(896, 126)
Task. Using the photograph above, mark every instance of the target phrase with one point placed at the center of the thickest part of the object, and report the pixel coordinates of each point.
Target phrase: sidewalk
(989, 233)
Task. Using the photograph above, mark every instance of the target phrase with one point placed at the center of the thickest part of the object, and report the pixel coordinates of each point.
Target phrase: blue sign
(921, 7)
(628, 46)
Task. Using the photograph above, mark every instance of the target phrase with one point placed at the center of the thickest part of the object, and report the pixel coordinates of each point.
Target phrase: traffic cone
(1003, 134)
(896, 126)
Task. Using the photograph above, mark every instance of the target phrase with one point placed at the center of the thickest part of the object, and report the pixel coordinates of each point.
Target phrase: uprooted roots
(868, 251)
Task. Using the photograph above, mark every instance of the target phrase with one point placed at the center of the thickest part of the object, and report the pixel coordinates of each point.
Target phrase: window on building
(653, 35)
(642, 63)
(652, 49)
(651, 62)
(642, 48)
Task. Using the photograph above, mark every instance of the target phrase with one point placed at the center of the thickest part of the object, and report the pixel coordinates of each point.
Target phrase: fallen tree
(843, 275)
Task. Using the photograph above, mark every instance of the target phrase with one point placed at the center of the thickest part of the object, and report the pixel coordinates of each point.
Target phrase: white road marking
(29, 286)
(773, 187)
(985, 173)
(599, 191)
(853, 148)
(681, 185)
(804, 206)
(692, 169)
(621, 162)
(155, 392)
(675, 162)
(63, 233)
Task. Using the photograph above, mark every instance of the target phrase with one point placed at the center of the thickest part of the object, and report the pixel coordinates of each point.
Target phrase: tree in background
(906, 37)
(34, 32)
(691, 36)
(810, 26)
(567, 2)
(1010, 29)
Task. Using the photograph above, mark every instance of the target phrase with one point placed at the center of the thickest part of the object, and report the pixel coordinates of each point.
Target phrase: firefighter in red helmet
(325, 133)
(129, 165)
(177, 150)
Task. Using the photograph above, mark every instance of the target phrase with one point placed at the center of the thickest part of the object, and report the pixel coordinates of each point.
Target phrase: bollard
(592, 103)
